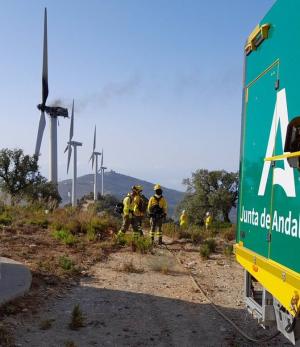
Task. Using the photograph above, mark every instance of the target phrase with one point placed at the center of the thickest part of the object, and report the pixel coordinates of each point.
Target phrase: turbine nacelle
(74, 143)
(54, 111)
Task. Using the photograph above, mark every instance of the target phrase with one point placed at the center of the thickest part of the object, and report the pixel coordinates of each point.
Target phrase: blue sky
(161, 79)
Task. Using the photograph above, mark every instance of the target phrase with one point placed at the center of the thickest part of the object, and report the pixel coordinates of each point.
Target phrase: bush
(142, 244)
(195, 234)
(129, 267)
(205, 251)
(74, 226)
(211, 244)
(65, 236)
(77, 319)
(5, 219)
(229, 234)
(41, 222)
(228, 250)
(66, 263)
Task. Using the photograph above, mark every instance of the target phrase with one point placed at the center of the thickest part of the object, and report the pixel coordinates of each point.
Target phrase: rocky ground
(132, 299)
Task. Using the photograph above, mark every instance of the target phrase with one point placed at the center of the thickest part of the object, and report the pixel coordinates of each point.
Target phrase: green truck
(268, 227)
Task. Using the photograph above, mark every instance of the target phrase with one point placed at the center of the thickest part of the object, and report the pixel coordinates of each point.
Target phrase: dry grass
(130, 267)
(163, 264)
(6, 338)
(46, 324)
(70, 343)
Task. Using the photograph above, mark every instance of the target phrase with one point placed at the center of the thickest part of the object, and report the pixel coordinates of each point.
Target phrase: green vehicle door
(254, 207)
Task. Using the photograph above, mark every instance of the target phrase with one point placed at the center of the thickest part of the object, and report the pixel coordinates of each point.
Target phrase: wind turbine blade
(94, 144)
(93, 159)
(102, 158)
(72, 123)
(45, 89)
(40, 133)
(66, 149)
(69, 157)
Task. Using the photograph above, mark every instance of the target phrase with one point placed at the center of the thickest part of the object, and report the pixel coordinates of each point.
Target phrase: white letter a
(283, 177)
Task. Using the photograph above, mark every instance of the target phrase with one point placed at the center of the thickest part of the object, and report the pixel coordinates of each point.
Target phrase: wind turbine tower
(94, 158)
(102, 169)
(53, 111)
(74, 144)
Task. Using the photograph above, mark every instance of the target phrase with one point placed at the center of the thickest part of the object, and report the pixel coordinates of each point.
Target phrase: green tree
(44, 192)
(21, 179)
(214, 191)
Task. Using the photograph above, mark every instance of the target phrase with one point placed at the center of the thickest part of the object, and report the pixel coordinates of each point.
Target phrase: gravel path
(158, 306)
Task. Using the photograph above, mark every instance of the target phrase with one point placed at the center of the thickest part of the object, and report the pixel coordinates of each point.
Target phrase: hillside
(118, 185)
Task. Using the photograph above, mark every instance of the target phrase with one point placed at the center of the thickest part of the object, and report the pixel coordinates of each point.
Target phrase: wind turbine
(73, 144)
(94, 158)
(102, 168)
(52, 111)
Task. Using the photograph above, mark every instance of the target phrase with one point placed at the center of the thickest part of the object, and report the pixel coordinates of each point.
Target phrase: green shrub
(205, 251)
(211, 244)
(66, 263)
(77, 319)
(41, 222)
(74, 226)
(195, 234)
(142, 244)
(65, 236)
(228, 250)
(5, 219)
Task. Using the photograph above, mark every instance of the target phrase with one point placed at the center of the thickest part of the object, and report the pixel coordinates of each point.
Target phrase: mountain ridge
(118, 185)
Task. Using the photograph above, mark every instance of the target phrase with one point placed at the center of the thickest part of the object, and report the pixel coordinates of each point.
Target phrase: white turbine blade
(94, 144)
(45, 90)
(40, 133)
(93, 160)
(102, 158)
(72, 123)
(66, 149)
(69, 157)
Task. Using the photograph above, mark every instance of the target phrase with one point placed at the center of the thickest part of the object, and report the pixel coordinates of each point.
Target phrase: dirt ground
(133, 299)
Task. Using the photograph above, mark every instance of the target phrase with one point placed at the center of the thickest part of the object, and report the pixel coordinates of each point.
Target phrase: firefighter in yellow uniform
(183, 220)
(208, 220)
(157, 210)
(128, 214)
(140, 204)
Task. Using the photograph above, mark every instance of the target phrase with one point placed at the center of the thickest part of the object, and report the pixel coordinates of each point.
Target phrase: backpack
(143, 204)
(156, 210)
(119, 208)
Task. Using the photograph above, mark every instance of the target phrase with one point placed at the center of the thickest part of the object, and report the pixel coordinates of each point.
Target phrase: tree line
(213, 191)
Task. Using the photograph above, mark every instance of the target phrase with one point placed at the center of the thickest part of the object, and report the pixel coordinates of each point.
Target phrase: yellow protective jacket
(208, 220)
(128, 205)
(136, 203)
(183, 220)
(158, 200)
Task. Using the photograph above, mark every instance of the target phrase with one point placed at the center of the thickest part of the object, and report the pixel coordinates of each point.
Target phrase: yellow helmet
(137, 188)
(157, 186)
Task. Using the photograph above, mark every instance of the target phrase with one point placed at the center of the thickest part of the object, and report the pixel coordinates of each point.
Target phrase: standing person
(157, 209)
(183, 220)
(208, 220)
(140, 204)
(128, 215)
